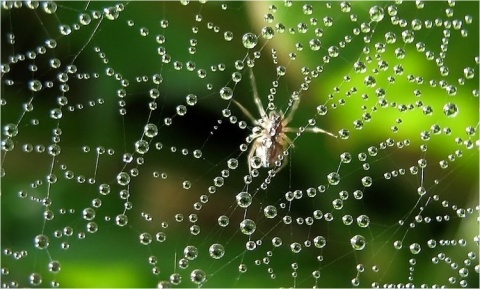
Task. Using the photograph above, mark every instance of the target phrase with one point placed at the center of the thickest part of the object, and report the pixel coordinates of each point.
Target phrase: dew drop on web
(249, 40)
(358, 242)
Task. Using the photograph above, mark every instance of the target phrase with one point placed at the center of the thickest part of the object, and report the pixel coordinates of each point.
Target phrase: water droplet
(190, 252)
(111, 13)
(84, 19)
(141, 146)
(319, 241)
(469, 72)
(249, 40)
(56, 113)
(367, 181)
(191, 99)
(359, 67)
(281, 70)
(270, 212)
(49, 7)
(123, 178)
(333, 178)
(228, 35)
(397, 245)
(187, 185)
(244, 199)
(408, 36)
(370, 81)
(226, 93)
(345, 7)
(150, 130)
(121, 220)
(232, 163)
(145, 238)
(333, 51)
(322, 109)
(41, 241)
(10, 130)
(450, 110)
(358, 242)
(223, 221)
(88, 214)
(54, 266)
(35, 85)
(248, 226)
(35, 279)
(363, 221)
(315, 44)
(154, 93)
(376, 13)
(218, 181)
(92, 227)
(344, 133)
(327, 21)
(198, 276)
(296, 247)
(160, 236)
(267, 33)
(216, 251)
(181, 110)
(65, 29)
(197, 154)
(415, 248)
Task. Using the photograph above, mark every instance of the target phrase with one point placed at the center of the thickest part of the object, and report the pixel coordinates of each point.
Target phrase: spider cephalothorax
(268, 137)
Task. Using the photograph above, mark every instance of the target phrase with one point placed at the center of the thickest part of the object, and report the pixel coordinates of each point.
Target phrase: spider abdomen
(268, 150)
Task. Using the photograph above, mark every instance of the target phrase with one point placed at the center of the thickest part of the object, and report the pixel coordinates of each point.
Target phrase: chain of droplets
(449, 109)
(190, 252)
(36, 87)
(244, 197)
(150, 131)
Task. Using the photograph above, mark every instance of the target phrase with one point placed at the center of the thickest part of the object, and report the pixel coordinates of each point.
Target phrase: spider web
(124, 157)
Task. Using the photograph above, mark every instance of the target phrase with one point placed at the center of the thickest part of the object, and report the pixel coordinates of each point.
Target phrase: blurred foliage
(113, 257)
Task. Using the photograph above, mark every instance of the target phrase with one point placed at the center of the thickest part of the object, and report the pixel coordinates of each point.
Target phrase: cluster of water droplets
(196, 211)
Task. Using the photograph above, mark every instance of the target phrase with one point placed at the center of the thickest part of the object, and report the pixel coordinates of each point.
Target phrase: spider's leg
(256, 98)
(284, 139)
(310, 129)
(251, 154)
(292, 111)
(245, 112)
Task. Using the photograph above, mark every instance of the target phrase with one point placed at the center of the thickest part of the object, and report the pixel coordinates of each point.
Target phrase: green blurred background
(114, 257)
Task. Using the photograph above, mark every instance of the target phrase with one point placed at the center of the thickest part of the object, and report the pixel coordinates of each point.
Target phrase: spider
(268, 137)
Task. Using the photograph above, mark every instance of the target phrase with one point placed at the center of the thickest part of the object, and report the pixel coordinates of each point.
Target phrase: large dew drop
(270, 212)
(111, 13)
(244, 199)
(41, 241)
(450, 109)
(35, 279)
(121, 220)
(415, 248)
(216, 251)
(376, 13)
(150, 130)
(226, 93)
(198, 276)
(123, 178)
(190, 252)
(141, 146)
(333, 178)
(249, 40)
(358, 242)
(248, 226)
